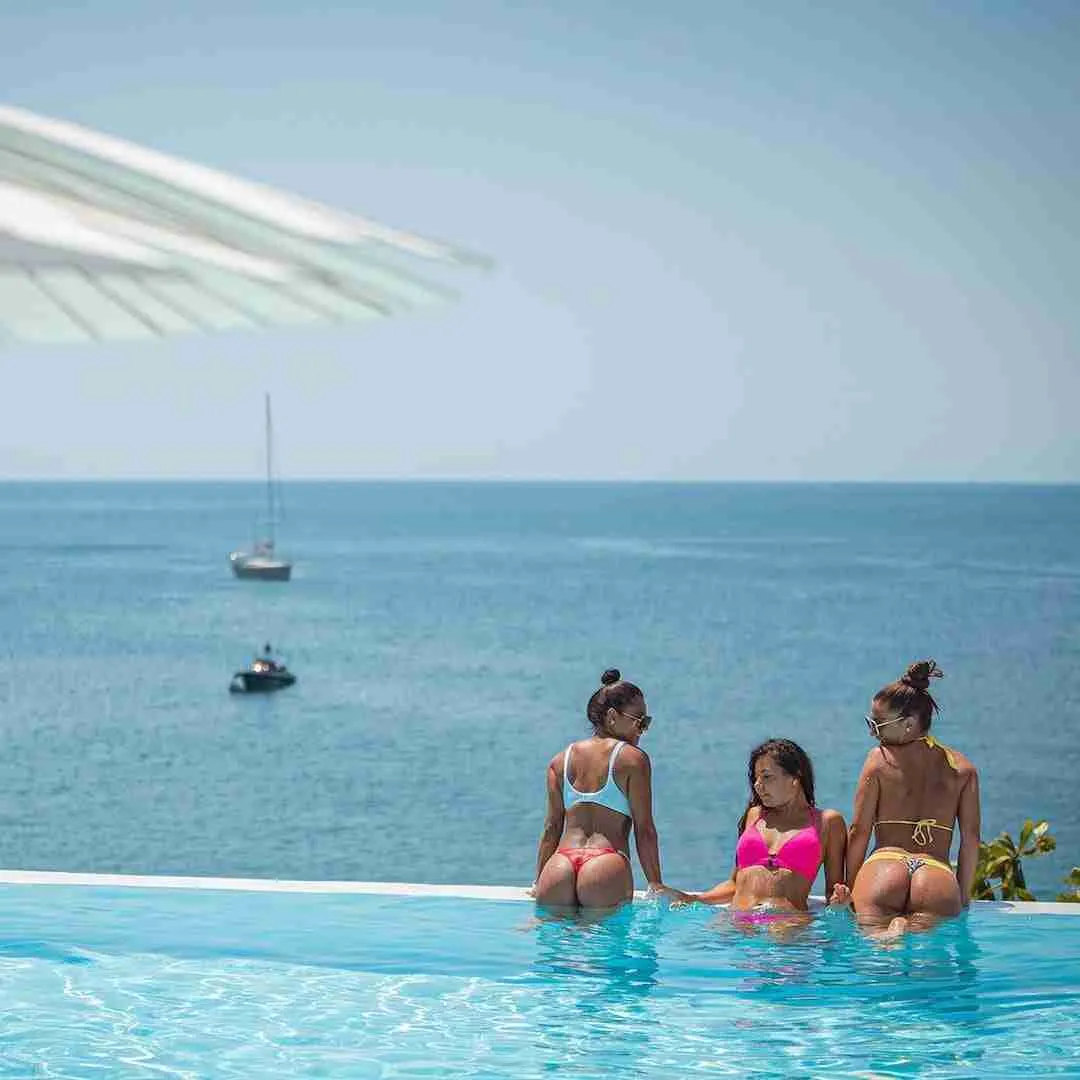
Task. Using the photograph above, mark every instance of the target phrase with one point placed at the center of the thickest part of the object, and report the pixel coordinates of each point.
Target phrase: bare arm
(645, 836)
(553, 821)
(834, 844)
(724, 891)
(718, 894)
(863, 817)
(969, 818)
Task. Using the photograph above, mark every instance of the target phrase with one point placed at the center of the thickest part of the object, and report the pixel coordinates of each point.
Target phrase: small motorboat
(263, 677)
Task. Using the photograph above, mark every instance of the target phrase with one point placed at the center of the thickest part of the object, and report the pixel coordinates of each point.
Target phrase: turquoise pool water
(158, 982)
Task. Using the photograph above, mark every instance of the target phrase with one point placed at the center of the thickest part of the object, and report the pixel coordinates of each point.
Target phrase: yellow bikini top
(950, 754)
(922, 833)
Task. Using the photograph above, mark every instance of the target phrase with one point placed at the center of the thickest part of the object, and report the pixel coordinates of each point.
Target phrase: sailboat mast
(269, 472)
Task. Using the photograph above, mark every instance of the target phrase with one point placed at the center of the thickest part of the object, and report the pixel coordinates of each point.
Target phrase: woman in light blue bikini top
(610, 795)
(593, 804)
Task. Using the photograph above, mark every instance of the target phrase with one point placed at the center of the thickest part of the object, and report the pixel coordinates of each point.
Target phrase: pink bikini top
(801, 853)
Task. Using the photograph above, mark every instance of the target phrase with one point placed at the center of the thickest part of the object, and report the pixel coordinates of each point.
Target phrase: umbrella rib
(242, 309)
(305, 302)
(156, 327)
(121, 302)
(75, 316)
(245, 311)
(275, 286)
(343, 287)
(167, 301)
(185, 312)
(301, 301)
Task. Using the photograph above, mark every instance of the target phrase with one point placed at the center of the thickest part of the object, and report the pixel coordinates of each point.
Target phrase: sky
(731, 241)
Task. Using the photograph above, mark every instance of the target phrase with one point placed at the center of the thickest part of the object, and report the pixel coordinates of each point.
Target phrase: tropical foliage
(1073, 881)
(1001, 861)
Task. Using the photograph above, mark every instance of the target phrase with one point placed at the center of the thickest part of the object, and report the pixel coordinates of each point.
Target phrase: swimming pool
(108, 980)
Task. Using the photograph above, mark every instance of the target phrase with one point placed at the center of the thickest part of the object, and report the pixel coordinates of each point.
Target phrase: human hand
(841, 896)
(657, 890)
(531, 891)
(679, 899)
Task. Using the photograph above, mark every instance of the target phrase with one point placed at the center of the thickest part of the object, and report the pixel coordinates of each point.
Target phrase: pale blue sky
(733, 241)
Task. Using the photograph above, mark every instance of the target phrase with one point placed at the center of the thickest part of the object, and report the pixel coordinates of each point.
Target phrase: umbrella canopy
(101, 239)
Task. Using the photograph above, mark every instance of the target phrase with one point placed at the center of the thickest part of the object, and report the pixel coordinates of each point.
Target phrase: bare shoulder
(874, 763)
(832, 820)
(556, 762)
(964, 765)
(633, 758)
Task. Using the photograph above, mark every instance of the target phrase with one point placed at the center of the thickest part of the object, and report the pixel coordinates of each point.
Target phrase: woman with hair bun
(597, 789)
(911, 792)
(784, 840)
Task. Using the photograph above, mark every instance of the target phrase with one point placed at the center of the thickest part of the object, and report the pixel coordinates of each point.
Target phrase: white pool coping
(382, 888)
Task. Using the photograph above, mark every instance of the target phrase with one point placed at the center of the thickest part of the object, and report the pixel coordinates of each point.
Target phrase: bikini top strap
(611, 763)
(566, 765)
(950, 755)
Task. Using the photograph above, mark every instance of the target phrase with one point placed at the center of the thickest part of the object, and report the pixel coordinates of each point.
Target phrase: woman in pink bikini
(784, 839)
(597, 789)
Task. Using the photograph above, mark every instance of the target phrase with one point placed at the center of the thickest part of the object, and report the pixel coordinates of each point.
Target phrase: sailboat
(261, 562)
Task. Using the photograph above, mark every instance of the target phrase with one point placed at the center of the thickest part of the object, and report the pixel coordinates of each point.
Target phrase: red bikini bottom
(578, 857)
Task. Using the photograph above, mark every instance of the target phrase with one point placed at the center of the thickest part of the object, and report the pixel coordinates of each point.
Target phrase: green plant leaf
(1025, 833)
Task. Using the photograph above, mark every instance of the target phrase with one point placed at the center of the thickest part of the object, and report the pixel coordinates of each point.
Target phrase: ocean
(447, 636)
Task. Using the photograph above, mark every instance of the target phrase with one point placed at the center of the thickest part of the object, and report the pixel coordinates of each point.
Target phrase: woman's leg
(605, 881)
(555, 885)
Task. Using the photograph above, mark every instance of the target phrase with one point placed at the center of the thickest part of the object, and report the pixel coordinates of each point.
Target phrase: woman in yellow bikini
(911, 792)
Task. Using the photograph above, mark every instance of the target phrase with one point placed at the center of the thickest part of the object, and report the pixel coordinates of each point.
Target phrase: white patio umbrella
(101, 239)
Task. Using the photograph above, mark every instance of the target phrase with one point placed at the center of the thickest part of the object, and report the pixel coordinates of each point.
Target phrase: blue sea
(447, 636)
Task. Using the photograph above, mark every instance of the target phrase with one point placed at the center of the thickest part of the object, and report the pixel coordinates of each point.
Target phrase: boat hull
(260, 567)
(260, 682)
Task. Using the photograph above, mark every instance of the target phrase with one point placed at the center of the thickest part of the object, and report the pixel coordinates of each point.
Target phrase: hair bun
(610, 676)
(919, 674)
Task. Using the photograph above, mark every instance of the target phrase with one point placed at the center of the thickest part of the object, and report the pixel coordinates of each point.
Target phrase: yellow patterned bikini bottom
(914, 862)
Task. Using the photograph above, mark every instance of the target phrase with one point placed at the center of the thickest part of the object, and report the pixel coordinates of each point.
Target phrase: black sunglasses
(642, 722)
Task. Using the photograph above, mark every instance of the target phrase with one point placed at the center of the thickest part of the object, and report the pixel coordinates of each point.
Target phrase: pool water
(171, 982)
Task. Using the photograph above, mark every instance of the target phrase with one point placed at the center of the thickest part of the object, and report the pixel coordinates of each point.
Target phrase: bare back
(919, 795)
(588, 824)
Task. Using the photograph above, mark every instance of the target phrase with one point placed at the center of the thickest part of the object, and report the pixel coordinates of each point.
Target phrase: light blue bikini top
(610, 795)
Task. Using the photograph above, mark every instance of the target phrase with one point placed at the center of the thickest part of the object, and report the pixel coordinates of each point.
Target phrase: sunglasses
(641, 722)
(875, 726)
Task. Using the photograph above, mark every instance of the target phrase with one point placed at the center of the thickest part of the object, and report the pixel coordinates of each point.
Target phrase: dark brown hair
(614, 693)
(910, 694)
(792, 758)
